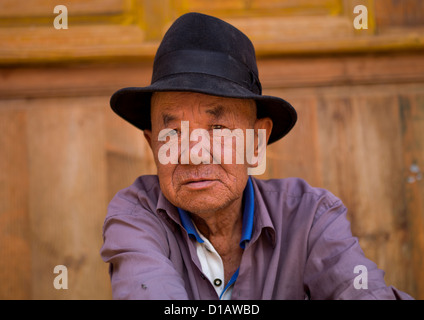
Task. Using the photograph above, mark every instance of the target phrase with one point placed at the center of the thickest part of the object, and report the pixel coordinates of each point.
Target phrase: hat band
(206, 62)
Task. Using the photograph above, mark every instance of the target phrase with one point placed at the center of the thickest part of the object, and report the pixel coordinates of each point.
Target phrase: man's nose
(195, 145)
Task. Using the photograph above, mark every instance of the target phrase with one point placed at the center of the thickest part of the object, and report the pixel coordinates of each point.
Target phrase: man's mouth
(199, 183)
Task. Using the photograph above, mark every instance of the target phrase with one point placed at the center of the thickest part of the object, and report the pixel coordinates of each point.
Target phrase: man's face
(201, 188)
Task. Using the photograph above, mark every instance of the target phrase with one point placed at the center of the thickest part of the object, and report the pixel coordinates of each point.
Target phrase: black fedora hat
(204, 54)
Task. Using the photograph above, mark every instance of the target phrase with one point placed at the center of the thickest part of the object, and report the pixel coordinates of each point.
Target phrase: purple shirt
(301, 248)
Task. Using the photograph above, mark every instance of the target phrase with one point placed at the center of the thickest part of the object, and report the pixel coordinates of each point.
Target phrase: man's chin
(202, 202)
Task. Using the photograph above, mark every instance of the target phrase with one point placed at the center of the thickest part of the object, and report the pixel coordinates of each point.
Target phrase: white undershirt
(212, 267)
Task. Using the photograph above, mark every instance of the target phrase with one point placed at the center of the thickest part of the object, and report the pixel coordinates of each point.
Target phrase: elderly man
(203, 228)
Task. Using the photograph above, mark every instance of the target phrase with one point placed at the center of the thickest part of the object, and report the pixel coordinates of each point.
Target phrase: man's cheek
(167, 186)
(165, 171)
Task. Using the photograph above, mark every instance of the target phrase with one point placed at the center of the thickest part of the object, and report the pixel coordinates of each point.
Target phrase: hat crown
(195, 39)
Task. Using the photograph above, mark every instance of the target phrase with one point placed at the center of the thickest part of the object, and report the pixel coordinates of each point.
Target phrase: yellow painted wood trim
(121, 42)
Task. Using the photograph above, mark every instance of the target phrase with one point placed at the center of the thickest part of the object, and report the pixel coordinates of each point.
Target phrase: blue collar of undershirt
(248, 211)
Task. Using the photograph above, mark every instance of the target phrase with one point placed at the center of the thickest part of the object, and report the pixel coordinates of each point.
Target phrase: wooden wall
(64, 153)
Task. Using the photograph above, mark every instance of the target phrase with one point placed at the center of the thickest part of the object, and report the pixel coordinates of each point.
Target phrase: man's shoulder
(295, 193)
(291, 187)
(144, 192)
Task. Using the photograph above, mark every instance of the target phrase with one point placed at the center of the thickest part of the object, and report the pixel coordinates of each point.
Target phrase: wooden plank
(104, 79)
(381, 222)
(154, 17)
(412, 39)
(15, 239)
(362, 165)
(271, 37)
(298, 6)
(336, 119)
(46, 44)
(393, 13)
(72, 80)
(412, 133)
(289, 29)
(270, 7)
(341, 70)
(68, 195)
(297, 154)
(44, 8)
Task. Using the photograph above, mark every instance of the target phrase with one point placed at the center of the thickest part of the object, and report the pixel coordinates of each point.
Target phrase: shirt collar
(248, 214)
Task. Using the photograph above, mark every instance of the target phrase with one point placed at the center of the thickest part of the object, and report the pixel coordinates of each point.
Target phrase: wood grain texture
(412, 115)
(21, 8)
(65, 197)
(395, 14)
(68, 195)
(118, 29)
(15, 237)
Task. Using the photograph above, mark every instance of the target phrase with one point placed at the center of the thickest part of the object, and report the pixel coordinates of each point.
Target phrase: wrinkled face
(193, 185)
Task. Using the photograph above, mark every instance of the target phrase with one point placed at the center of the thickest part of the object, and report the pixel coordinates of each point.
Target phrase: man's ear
(264, 123)
(257, 156)
(148, 136)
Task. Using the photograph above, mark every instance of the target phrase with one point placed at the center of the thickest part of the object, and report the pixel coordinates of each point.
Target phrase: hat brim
(133, 103)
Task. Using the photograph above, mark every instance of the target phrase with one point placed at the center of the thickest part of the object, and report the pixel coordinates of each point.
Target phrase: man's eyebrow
(167, 118)
(216, 111)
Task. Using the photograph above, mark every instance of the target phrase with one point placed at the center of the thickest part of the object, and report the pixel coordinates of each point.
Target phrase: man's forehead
(169, 114)
(180, 102)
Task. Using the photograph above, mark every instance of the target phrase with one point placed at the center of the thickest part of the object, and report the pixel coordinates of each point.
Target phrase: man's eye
(167, 133)
(217, 126)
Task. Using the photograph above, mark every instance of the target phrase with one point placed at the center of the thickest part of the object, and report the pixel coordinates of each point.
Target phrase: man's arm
(337, 267)
(135, 245)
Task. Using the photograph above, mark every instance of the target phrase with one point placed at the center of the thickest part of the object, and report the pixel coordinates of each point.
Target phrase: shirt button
(217, 282)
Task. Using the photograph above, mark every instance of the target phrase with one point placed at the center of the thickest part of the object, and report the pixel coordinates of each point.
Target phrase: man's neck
(223, 223)
(223, 229)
